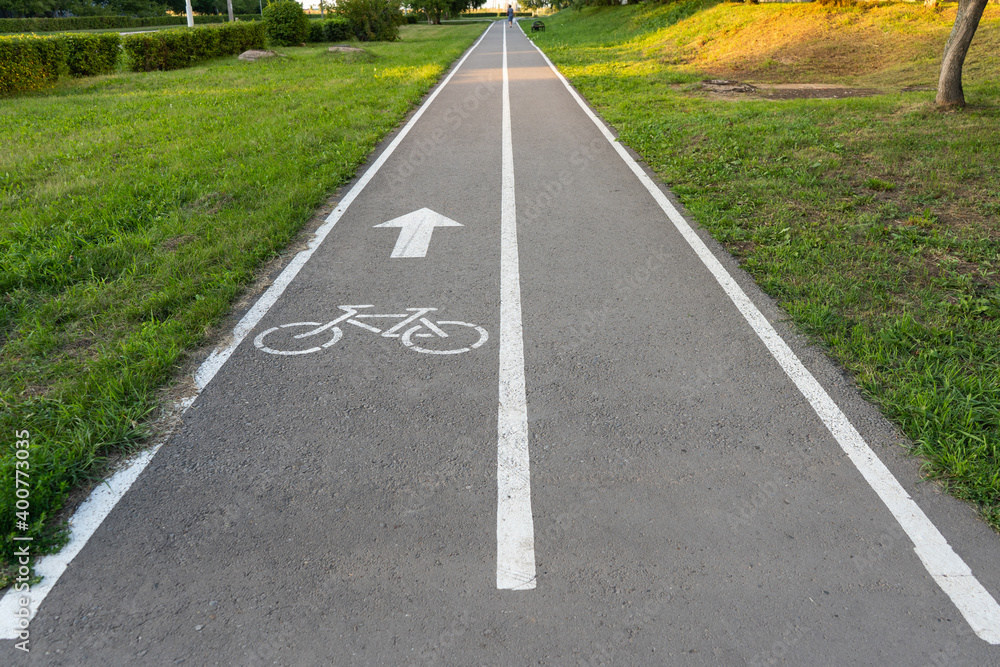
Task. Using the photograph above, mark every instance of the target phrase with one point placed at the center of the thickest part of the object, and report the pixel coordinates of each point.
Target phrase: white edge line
(515, 527)
(89, 516)
(85, 521)
(946, 567)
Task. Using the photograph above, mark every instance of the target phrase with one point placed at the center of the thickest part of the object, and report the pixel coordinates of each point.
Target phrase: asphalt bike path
(508, 413)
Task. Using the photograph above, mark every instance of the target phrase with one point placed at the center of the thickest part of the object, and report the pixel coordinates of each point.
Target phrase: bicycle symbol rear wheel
(288, 340)
(410, 334)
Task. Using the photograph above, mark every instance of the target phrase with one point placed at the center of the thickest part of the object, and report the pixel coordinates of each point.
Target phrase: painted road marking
(352, 315)
(947, 568)
(415, 231)
(85, 521)
(515, 529)
(100, 503)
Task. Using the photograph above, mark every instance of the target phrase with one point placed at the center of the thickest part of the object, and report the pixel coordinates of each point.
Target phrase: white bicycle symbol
(422, 328)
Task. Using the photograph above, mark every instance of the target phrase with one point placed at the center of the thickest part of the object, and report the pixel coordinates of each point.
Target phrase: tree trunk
(229, 4)
(950, 84)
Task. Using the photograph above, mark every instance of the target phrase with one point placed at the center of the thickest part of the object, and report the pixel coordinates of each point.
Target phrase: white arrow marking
(416, 230)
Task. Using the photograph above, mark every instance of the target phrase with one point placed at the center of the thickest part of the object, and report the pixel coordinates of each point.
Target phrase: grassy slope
(135, 208)
(874, 221)
(889, 46)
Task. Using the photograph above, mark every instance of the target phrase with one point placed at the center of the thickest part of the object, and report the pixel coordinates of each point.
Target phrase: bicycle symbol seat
(423, 328)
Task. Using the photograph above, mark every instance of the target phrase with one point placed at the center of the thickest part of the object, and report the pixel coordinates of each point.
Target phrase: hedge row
(99, 22)
(174, 49)
(28, 62)
(90, 55)
(336, 29)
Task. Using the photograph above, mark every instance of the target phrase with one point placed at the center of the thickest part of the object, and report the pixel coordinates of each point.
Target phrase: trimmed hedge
(29, 63)
(316, 32)
(336, 29)
(175, 49)
(90, 55)
(99, 22)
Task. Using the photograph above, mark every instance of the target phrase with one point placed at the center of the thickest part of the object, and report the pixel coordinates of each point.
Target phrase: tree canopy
(435, 9)
(217, 6)
(19, 8)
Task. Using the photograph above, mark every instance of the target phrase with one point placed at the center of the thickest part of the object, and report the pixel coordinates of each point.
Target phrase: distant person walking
(510, 16)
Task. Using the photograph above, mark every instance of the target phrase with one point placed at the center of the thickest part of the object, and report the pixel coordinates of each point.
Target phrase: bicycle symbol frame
(422, 328)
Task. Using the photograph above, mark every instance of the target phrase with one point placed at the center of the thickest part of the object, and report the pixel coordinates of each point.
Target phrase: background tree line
(56, 8)
(436, 9)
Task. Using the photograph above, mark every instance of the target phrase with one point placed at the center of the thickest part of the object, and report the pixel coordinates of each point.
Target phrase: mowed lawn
(134, 209)
(874, 221)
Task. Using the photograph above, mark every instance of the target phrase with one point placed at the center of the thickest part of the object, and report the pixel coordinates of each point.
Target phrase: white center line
(515, 530)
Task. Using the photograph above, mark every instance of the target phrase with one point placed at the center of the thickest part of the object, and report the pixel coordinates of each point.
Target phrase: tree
(134, 7)
(539, 4)
(372, 20)
(436, 8)
(18, 8)
(217, 6)
(433, 9)
(950, 92)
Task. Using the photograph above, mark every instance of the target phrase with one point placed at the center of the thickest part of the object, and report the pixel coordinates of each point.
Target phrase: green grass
(874, 221)
(135, 209)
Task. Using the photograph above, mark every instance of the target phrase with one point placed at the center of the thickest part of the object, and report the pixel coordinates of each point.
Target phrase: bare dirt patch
(800, 91)
(725, 86)
(783, 91)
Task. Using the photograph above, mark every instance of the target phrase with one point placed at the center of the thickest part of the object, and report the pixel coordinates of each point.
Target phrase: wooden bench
(537, 26)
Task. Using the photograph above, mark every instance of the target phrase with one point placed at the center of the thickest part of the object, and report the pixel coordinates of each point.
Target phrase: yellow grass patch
(889, 46)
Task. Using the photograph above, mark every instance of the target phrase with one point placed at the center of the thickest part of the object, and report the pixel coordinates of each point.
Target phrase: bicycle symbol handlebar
(422, 328)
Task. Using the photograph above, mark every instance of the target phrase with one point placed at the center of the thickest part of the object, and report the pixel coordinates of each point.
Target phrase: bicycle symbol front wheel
(288, 340)
(460, 337)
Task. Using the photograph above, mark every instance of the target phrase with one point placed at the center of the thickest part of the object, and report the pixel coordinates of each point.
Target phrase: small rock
(256, 54)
